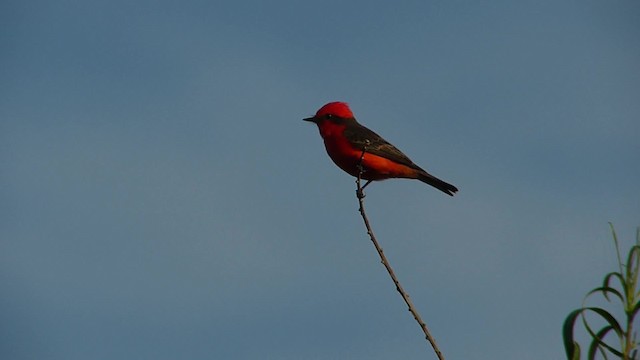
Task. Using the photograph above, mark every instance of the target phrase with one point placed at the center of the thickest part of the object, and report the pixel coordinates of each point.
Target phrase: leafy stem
(628, 293)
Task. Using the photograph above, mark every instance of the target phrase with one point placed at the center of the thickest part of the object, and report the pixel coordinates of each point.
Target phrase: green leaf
(613, 323)
(633, 267)
(615, 241)
(595, 346)
(632, 258)
(607, 279)
(570, 345)
(605, 290)
(609, 318)
(635, 311)
(576, 353)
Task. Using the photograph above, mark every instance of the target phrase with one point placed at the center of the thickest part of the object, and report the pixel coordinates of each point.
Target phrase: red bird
(346, 140)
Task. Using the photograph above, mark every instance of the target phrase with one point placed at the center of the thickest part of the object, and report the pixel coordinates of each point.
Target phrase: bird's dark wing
(363, 138)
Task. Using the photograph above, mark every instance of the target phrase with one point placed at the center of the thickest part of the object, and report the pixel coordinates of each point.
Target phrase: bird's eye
(329, 116)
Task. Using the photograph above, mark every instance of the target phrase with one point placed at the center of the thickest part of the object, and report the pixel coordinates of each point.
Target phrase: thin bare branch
(360, 194)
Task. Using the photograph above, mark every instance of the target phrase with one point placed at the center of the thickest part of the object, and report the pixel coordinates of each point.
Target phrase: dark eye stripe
(335, 119)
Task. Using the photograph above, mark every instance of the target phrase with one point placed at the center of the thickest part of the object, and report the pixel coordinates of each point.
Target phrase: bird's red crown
(337, 108)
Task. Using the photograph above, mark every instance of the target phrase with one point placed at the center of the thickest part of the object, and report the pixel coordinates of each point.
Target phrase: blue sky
(161, 197)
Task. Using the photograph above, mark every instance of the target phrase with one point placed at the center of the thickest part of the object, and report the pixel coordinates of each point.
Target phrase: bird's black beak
(311, 119)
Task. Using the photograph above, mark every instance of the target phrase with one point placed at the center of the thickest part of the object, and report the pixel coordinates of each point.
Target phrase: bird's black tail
(437, 183)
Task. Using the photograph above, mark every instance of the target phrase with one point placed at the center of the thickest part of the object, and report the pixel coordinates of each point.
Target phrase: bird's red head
(331, 118)
(340, 109)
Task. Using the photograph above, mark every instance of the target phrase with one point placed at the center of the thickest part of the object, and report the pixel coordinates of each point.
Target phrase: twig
(360, 194)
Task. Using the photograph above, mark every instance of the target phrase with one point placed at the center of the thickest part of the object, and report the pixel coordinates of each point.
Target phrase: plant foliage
(616, 339)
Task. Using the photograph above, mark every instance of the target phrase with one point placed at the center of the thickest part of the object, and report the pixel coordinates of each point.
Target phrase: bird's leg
(360, 192)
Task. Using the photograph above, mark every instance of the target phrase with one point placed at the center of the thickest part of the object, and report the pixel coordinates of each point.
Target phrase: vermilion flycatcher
(351, 145)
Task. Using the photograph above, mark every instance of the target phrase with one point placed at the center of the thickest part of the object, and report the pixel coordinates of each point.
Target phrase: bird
(360, 152)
